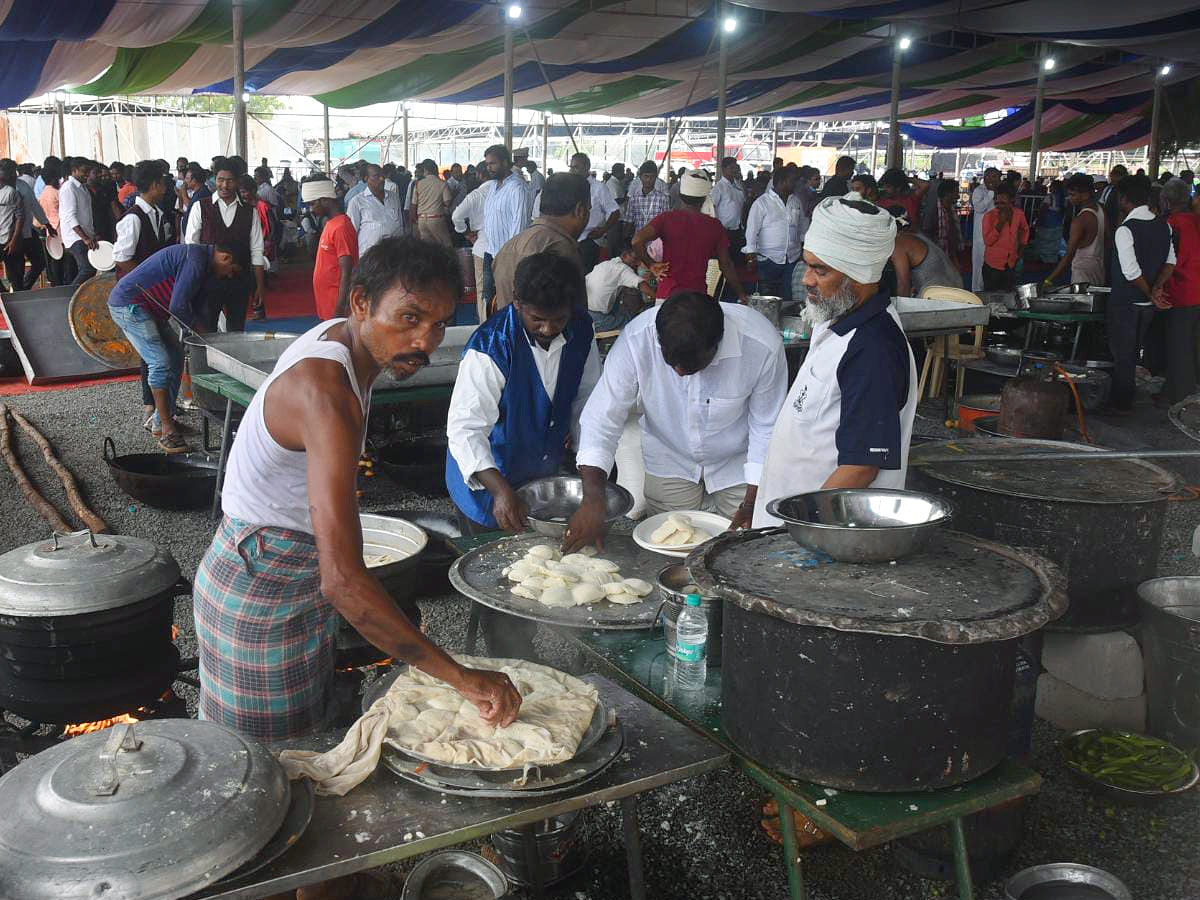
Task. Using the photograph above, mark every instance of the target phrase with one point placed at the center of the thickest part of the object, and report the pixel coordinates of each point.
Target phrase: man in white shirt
(152, 188)
(468, 220)
(775, 233)
(524, 377)
(616, 292)
(605, 212)
(728, 200)
(710, 378)
(75, 218)
(983, 201)
(848, 417)
(506, 213)
(224, 220)
(375, 212)
(617, 186)
(30, 247)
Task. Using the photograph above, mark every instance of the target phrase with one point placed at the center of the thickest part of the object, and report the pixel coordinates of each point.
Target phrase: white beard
(820, 309)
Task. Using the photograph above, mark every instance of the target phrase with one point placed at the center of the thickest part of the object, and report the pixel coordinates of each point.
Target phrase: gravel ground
(701, 837)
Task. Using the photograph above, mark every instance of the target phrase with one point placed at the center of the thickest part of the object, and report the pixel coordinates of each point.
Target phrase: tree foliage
(258, 104)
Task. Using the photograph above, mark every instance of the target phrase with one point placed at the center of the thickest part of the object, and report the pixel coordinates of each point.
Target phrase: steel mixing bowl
(862, 524)
(1049, 875)
(552, 501)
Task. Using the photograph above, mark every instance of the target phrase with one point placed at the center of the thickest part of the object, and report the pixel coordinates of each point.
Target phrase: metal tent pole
(62, 126)
(774, 140)
(508, 85)
(667, 154)
(545, 141)
(328, 143)
(239, 79)
(1156, 110)
(874, 148)
(722, 79)
(404, 128)
(895, 154)
(1045, 63)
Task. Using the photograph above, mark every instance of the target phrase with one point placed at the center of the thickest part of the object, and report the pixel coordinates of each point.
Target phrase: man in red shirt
(1181, 293)
(337, 251)
(689, 240)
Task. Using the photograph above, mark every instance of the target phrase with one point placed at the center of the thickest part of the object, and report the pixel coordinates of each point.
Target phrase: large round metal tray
(595, 730)
(295, 821)
(93, 328)
(477, 575)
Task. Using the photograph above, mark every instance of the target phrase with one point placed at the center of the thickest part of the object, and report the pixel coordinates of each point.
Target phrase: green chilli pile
(1132, 762)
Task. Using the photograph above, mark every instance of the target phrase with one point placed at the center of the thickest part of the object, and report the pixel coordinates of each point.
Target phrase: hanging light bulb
(245, 97)
(1165, 71)
(515, 11)
(905, 42)
(729, 24)
(1048, 63)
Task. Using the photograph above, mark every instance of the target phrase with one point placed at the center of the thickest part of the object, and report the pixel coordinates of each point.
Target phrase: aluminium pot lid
(74, 574)
(156, 811)
(1067, 480)
(958, 590)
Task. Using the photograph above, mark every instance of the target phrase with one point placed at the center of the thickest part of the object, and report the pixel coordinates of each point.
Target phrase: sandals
(173, 443)
(152, 427)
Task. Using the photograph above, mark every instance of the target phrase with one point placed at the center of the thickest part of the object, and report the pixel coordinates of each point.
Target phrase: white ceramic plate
(710, 522)
(54, 246)
(102, 257)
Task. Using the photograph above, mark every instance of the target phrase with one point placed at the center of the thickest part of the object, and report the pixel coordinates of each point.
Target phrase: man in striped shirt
(506, 213)
(646, 201)
(167, 284)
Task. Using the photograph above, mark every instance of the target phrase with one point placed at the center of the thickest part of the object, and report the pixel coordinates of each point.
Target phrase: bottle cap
(693, 599)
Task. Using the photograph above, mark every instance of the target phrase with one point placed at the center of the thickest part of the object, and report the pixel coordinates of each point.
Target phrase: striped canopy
(635, 58)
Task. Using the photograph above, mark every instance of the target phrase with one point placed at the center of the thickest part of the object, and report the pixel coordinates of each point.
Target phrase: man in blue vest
(1144, 259)
(523, 380)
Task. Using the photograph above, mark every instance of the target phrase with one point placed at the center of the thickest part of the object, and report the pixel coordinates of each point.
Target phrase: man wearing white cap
(690, 238)
(337, 251)
(848, 417)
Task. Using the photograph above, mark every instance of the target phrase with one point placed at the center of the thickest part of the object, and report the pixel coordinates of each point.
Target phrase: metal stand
(226, 439)
(962, 863)
(633, 847)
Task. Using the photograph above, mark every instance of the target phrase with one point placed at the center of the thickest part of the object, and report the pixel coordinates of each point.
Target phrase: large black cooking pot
(418, 466)
(873, 676)
(178, 481)
(1101, 522)
(85, 626)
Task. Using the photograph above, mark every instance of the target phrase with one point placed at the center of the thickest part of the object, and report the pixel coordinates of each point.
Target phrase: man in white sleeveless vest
(288, 554)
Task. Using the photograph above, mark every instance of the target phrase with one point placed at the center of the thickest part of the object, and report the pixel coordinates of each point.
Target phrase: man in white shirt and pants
(711, 378)
(75, 219)
(468, 220)
(729, 200)
(983, 200)
(775, 232)
(375, 213)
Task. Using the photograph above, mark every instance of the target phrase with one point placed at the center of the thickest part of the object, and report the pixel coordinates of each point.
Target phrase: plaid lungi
(266, 635)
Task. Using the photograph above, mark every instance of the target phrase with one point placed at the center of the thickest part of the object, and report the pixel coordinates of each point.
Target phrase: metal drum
(873, 676)
(1171, 645)
(1101, 522)
(561, 851)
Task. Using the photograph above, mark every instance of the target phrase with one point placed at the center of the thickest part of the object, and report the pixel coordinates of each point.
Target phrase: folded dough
(543, 551)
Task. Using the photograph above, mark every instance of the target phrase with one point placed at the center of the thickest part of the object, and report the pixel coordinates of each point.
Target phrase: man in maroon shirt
(689, 240)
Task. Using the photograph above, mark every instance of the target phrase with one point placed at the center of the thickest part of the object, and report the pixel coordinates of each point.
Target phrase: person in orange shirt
(337, 251)
(1005, 236)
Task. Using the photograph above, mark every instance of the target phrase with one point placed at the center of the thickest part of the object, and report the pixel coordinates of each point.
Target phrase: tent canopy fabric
(811, 59)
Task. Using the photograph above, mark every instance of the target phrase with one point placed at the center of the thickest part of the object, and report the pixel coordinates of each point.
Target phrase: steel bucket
(1170, 610)
(197, 364)
(560, 850)
(674, 584)
(768, 306)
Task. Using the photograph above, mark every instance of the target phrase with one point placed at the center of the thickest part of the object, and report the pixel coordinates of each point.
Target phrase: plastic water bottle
(691, 645)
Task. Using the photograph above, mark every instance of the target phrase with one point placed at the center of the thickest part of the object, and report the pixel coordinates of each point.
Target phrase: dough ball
(542, 551)
(565, 572)
(663, 531)
(603, 565)
(638, 586)
(624, 598)
(557, 596)
(598, 578)
(586, 593)
(553, 581)
(575, 560)
(680, 521)
(520, 572)
(528, 593)
(534, 583)
(614, 587)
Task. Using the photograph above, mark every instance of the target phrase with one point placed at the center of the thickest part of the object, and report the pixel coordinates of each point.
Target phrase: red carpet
(11, 387)
(289, 293)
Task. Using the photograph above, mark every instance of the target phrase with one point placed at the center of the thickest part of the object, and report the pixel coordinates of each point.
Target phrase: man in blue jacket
(523, 380)
(169, 283)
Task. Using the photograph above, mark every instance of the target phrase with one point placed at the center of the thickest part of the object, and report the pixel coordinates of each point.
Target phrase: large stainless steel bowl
(552, 501)
(1050, 875)
(862, 524)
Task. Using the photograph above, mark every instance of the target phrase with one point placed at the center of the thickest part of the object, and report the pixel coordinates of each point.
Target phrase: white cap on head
(321, 189)
(694, 184)
(854, 237)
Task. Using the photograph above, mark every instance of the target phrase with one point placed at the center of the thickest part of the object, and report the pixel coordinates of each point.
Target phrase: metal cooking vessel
(674, 583)
(553, 500)
(873, 677)
(159, 809)
(1101, 522)
(1171, 643)
(1022, 886)
(175, 481)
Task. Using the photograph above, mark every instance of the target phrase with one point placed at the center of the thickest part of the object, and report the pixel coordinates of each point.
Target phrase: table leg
(791, 852)
(225, 441)
(962, 863)
(472, 628)
(204, 431)
(1075, 343)
(533, 861)
(633, 847)
(1030, 324)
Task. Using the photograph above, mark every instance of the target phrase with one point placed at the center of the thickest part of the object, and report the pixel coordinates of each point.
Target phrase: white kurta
(982, 200)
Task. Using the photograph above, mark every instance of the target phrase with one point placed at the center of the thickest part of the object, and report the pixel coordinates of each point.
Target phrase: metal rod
(633, 847)
(1056, 455)
(1155, 116)
(62, 127)
(508, 86)
(1035, 143)
(404, 115)
(774, 140)
(722, 83)
(667, 153)
(545, 141)
(239, 79)
(895, 158)
(328, 143)
(962, 862)
(874, 148)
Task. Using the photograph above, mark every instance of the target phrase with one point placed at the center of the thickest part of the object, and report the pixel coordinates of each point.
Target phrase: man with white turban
(848, 417)
(337, 250)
